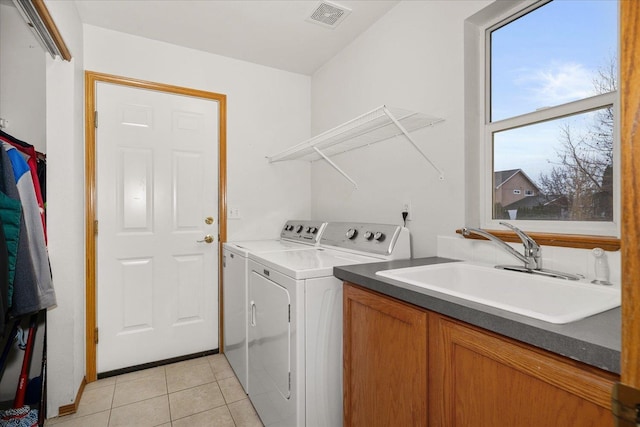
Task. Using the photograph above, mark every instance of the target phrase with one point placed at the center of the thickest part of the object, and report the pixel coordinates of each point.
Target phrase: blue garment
(25, 284)
(34, 227)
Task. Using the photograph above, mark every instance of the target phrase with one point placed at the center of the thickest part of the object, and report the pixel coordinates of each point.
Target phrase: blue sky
(547, 58)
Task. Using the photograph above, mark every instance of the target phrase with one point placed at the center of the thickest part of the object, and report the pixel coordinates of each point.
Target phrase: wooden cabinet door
(385, 361)
(484, 380)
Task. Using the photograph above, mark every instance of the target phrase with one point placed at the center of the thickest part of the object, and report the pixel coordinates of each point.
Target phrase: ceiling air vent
(328, 14)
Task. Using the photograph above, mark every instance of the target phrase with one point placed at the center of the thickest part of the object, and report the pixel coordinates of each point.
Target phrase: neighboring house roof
(539, 200)
(500, 177)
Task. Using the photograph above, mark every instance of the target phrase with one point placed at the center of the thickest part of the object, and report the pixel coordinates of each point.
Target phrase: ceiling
(273, 33)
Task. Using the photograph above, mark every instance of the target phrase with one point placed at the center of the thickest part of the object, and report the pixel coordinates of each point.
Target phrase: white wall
(267, 111)
(412, 58)
(22, 79)
(65, 212)
(42, 98)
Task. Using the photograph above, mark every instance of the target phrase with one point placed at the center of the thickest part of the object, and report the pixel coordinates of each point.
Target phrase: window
(550, 113)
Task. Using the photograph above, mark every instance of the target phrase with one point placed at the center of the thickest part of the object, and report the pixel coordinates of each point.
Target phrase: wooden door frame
(630, 167)
(91, 80)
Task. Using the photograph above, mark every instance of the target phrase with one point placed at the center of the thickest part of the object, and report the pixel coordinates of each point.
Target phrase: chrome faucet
(532, 257)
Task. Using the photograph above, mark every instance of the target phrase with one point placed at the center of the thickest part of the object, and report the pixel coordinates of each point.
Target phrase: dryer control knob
(313, 230)
(351, 233)
(299, 228)
(368, 235)
(378, 236)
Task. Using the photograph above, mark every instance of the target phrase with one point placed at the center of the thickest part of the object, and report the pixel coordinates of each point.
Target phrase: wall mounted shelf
(375, 126)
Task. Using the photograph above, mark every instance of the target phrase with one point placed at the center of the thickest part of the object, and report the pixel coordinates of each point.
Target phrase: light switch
(233, 213)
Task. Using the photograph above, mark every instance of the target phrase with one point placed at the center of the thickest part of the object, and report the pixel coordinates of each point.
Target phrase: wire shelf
(375, 126)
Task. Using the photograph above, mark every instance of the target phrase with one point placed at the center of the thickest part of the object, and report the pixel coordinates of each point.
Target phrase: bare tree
(584, 161)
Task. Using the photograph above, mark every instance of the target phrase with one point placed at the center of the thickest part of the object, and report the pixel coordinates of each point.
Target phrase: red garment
(29, 154)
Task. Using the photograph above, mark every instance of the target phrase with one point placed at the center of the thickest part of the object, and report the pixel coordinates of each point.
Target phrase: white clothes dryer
(295, 235)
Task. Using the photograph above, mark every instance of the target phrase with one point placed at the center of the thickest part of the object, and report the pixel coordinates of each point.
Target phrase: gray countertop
(594, 340)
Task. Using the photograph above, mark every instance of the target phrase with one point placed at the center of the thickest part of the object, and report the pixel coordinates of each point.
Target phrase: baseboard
(73, 407)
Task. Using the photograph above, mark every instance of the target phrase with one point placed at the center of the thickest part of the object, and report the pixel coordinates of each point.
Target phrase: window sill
(579, 241)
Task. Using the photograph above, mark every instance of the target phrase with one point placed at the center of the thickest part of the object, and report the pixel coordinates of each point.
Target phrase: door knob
(207, 239)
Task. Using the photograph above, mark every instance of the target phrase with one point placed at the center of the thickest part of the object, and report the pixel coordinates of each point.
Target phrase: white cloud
(558, 83)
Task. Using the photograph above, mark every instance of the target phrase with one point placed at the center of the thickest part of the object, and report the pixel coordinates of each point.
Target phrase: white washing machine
(295, 235)
(295, 322)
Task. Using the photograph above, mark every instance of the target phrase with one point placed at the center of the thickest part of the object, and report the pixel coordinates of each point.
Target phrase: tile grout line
(166, 384)
(113, 396)
(226, 404)
(212, 366)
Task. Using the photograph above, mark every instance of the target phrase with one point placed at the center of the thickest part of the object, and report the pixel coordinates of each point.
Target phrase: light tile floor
(201, 392)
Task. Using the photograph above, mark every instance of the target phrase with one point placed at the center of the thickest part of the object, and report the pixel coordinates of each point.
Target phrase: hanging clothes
(42, 179)
(23, 292)
(33, 286)
(4, 277)
(11, 216)
(31, 156)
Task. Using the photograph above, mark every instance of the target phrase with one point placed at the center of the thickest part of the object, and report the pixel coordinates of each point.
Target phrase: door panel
(385, 361)
(189, 305)
(188, 169)
(136, 309)
(156, 184)
(270, 335)
(135, 189)
(269, 348)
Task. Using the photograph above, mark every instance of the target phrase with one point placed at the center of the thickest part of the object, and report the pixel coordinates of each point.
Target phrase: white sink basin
(549, 299)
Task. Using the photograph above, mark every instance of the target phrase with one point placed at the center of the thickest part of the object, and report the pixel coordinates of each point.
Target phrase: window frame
(488, 128)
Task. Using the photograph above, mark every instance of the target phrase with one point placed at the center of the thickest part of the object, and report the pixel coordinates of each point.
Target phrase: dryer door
(269, 346)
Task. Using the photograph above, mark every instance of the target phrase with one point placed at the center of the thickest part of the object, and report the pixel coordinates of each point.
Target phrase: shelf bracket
(406, 134)
(336, 167)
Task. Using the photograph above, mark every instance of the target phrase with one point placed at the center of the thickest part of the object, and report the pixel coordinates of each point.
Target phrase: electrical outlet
(406, 207)
(233, 213)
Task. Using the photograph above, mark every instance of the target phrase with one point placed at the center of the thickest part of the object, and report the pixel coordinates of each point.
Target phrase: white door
(157, 199)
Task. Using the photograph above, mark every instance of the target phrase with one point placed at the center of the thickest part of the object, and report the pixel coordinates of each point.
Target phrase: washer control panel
(363, 237)
(302, 231)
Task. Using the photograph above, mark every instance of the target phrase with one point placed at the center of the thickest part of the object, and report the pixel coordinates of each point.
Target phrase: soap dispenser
(601, 267)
